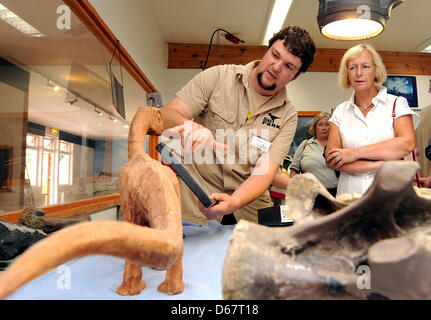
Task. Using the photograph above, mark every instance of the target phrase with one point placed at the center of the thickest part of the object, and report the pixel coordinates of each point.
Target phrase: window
(65, 166)
(48, 164)
(33, 159)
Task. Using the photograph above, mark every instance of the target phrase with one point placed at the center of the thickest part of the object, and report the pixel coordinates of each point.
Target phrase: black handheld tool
(172, 159)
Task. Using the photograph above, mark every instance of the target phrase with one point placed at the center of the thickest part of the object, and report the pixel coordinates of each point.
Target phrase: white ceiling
(193, 21)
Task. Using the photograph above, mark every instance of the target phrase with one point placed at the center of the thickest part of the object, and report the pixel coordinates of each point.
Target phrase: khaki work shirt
(221, 98)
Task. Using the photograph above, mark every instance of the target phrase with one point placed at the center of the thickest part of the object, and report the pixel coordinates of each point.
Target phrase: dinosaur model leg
(132, 277)
(173, 283)
(132, 280)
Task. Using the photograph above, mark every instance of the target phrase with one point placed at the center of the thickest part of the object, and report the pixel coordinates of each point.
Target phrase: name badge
(260, 143)
(283, 214)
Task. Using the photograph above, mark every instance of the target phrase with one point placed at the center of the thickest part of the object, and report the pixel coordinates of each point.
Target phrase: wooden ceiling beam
(192, 56)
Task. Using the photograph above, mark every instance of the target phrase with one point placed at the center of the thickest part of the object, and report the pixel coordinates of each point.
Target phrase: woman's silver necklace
(366, 108)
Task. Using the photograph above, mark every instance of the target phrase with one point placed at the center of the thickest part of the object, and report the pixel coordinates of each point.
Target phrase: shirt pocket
(221, 116)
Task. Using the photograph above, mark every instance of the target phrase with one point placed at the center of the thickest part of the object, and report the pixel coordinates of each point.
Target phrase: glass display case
(62, 138)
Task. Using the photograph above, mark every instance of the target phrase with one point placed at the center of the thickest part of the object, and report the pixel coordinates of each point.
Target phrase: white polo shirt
(357, 130)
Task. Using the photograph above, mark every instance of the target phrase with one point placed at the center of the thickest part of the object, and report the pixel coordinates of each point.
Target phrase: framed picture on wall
(404, 86)
(305, 118)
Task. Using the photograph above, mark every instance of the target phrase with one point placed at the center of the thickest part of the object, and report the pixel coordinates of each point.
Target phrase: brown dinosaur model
(151, 236)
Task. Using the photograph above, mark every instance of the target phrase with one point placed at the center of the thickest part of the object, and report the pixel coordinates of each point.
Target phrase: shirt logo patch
(271, 121)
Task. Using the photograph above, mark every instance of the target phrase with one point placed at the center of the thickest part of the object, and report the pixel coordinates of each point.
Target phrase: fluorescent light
(15, 21)
(425, 46)
(278, 15)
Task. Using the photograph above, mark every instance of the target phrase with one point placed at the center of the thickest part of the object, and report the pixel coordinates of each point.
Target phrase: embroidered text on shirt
(271, 121)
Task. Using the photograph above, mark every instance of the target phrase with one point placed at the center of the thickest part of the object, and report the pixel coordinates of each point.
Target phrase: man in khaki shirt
(239, 124)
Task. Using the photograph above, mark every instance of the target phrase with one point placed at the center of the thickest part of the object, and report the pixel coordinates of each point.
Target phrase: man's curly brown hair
(299, 43)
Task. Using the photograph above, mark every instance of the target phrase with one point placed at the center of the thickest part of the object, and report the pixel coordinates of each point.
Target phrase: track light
(99, 113)
(114, 120)
(71, 102)
(354, 19)
(53, 85)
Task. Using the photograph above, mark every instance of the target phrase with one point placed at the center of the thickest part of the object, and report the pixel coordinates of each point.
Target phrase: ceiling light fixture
(279, 12)
(53, 85)
(354, 19)
(72, 101)
(425, 46)
(114, 120)
(18, 23)
(427, 49)
(99, 113)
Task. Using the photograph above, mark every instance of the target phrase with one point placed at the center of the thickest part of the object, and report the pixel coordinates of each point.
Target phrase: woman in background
(309, 154)
(363, 131)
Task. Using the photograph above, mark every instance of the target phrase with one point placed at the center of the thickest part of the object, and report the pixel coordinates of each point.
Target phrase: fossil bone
(307, 199)
(34, 218)
(319, 259)
(149, 195)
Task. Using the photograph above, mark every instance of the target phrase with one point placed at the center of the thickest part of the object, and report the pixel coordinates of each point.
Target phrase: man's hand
(225, 204)
(425, 181)
(195, 137)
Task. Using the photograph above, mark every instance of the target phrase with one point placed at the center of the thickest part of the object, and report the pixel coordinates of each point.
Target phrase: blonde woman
(363, 131)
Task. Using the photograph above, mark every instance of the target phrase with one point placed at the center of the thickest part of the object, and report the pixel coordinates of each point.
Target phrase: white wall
(176, 79)
(133, 24)
(316, 91)
(313, 91)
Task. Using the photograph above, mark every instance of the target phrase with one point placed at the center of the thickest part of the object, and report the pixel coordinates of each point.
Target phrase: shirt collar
(381, 96)
(243, 72)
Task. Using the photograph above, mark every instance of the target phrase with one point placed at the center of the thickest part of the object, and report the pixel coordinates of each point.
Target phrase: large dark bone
(318, 259)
